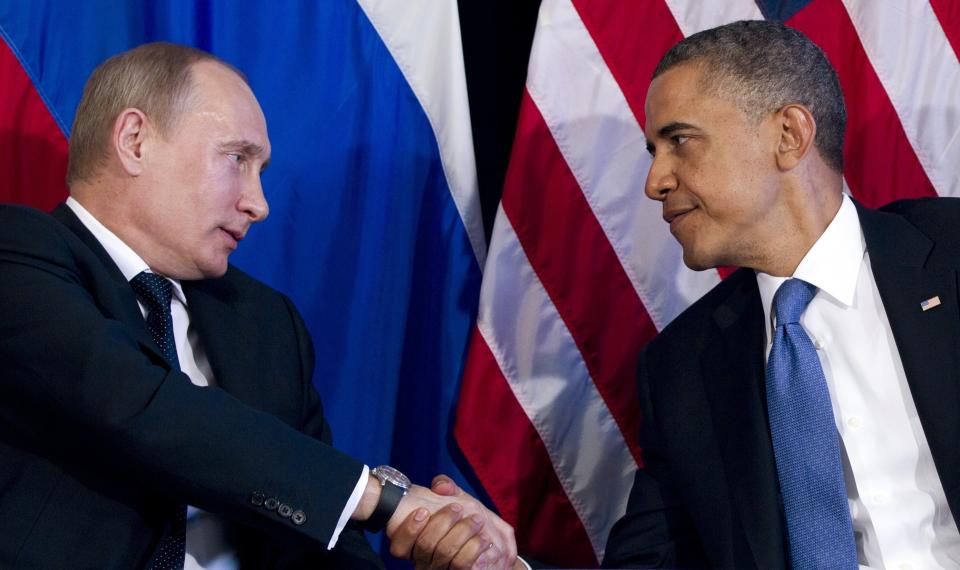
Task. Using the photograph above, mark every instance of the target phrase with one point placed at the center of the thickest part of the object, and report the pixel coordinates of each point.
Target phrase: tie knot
(791, 299)
(153, 290)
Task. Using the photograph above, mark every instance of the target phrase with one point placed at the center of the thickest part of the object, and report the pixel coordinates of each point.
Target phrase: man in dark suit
(745, 123)
(142, 374)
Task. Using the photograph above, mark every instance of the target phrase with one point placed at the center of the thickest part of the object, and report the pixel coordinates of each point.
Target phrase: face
(713, 169)
(200, 186)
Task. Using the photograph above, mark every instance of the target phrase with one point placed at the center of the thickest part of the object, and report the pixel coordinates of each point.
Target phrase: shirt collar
(832, 264)
(127, 260)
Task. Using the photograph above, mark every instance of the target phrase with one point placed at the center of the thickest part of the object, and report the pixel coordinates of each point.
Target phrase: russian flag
(375, 229)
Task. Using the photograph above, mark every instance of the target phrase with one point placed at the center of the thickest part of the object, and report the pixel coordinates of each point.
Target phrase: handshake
(441, 527)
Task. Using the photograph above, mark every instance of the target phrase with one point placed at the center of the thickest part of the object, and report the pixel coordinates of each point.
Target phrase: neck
(806, 213)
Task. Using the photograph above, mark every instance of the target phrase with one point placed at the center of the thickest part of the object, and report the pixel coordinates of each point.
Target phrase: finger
(471, 553)
(436, 528)
(459, 538)
(401, 543)
(508, 546)
(490, 557)
(443, 485)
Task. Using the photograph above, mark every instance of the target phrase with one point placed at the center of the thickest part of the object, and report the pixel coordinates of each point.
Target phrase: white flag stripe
(545, 370)
(432, 64)
(920, 73)
(605, 149)
(696, 15)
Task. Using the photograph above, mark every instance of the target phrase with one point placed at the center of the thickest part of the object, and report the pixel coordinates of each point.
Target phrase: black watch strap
(390, 496)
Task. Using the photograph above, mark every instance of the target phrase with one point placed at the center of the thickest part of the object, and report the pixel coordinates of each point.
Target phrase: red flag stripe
(568, 250)
(876, 173)
(605, 149)
(632, 37)
(920, 74)
(509, 457)
(545, 369)
(28, 137)
(948, 12)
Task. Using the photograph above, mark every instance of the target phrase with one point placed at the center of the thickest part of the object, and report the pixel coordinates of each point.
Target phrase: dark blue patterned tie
(805, 441)
(155, 292)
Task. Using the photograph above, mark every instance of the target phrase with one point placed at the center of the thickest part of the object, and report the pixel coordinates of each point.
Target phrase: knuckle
(446, 552)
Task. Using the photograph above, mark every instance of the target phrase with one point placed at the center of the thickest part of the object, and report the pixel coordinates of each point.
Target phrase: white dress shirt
(900, 514)
(206, 547)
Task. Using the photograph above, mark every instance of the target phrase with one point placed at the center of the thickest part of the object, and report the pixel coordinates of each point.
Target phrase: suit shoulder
(924, 206)
(243, 281)
(693, 323)
(241, 287)
(18, 220)
(30, 234)
(936, 218)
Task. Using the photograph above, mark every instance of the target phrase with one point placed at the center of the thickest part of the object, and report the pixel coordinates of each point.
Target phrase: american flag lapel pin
(930, 303)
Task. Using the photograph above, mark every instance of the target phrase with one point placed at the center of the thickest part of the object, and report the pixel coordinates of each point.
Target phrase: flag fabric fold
(582, 272)
(375, 229)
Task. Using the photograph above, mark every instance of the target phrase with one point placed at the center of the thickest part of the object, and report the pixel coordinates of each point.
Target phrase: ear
(797, 131)
(129, 134)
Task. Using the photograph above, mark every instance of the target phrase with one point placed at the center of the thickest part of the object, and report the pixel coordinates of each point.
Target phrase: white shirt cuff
(351, 506)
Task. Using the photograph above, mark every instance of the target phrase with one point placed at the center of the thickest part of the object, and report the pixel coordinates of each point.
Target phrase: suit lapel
(928, 341)
(109, 287)
(229, 339)
(733, 367)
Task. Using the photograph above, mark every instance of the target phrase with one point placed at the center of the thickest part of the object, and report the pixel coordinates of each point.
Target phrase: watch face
(386, 473)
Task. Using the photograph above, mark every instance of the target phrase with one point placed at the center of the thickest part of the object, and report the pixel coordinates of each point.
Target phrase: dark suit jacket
(708, 493)
(100, 437)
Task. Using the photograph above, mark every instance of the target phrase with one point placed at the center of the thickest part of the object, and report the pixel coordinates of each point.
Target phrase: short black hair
(763, 65)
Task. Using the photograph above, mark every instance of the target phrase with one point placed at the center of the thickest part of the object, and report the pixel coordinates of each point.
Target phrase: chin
(698, 263)
(213, 269)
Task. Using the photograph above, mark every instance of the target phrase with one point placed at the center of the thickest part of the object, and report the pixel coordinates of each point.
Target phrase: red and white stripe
(581, 270)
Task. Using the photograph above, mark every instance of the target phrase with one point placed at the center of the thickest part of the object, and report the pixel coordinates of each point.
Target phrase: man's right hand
(451, 538)
(466, 534)
(449, 529)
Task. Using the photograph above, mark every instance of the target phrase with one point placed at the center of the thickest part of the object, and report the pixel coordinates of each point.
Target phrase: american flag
(582, 272)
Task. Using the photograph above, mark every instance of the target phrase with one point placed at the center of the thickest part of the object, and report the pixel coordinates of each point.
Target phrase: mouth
(675, 216)
(234, 235)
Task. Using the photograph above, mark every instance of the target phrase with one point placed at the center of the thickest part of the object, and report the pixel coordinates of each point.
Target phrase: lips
(236, 235)
(675, 215)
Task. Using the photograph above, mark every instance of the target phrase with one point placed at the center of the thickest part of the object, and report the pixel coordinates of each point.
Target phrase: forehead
(674, 94)
(680, 96)
(224, 104)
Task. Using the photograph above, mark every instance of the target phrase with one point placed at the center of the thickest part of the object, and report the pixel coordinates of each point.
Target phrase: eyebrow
(670, 128)
(246, 148)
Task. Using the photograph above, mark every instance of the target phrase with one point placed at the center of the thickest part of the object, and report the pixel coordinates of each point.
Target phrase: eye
(679, 139)
(236, 157)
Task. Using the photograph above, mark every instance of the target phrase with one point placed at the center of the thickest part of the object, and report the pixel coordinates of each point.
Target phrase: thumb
(443, 485)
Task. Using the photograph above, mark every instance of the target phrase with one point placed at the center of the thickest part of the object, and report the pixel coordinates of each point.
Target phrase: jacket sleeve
(352, 549)
(656, 531)
(77, 381)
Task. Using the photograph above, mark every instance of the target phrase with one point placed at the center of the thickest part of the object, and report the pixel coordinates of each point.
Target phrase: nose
(252, 201)
(660, 179)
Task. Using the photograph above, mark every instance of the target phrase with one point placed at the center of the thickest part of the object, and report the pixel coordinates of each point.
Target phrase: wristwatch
(394, 486)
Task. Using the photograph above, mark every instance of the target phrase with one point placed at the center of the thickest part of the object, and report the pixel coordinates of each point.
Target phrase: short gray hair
(762, 66)
(155, 78)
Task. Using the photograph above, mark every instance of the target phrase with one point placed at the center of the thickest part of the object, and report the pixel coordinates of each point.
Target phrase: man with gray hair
(142, 373)
(802, 414)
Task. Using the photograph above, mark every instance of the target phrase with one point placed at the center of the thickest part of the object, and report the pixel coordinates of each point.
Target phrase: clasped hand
(447, 528)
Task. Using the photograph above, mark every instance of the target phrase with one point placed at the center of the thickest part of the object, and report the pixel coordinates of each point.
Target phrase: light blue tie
(805, 441)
